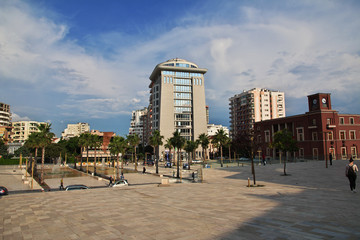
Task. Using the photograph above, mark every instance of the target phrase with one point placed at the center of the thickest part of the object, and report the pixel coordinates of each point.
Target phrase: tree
(283, 140)
(3, 148)
(134, 141)
(95, 142)
(118, 145)
(204, 142)
(155, 141)
(178, 142)
(84, 142)
(33, 142)
(45, 140)
(190, 147)
(220, 138)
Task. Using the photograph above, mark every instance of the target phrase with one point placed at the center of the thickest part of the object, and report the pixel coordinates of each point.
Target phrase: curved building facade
(177, 99)
(5, 115)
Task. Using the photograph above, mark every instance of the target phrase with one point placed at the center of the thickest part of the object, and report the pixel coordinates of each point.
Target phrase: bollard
(248, 182)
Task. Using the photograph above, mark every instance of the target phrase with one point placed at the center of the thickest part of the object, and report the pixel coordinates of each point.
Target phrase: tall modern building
(137, 123)
(22, 129)
(177, 99)
(253, 106)
(74, 130)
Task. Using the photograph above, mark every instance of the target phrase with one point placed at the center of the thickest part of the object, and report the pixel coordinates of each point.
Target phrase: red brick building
(319, 131)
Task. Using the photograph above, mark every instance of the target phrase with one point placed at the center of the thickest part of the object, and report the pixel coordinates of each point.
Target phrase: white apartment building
(137, 123)
(22, 129)
(252, 106)
(212, 129)
(74, 130)
(177, 99)
(5, 115)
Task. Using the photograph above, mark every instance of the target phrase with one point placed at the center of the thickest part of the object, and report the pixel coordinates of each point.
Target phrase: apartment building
(21, 130)
(252, 106)
(137, 123)
(5, 122)
(177, 99)
(74, 130)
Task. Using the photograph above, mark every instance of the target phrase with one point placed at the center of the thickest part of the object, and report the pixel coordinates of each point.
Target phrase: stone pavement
(312, 203)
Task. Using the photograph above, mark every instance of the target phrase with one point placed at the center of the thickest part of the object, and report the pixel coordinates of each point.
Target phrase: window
(343, 153)
(315, 153)
(330, 136)
(314, 122)
(353, 152)
(351, 120)
(341, 120)
(267, 136)
(352, 134)
(314, 136)
(301, 153)
(300, 134)
(267, 151)
(342, 135)
(328, 121)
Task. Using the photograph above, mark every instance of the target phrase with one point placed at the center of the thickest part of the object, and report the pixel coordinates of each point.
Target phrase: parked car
(168, 165)
(3, 191)
(75, 187)
(121, 183)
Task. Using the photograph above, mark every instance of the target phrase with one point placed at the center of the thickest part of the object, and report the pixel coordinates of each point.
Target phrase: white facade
(212, 129)
(137, 123)
(255, 105)
(22, 129)
(5, 115)
(74, 130)
(177, 99)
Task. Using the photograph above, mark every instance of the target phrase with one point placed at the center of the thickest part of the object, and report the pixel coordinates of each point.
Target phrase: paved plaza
(313, 202)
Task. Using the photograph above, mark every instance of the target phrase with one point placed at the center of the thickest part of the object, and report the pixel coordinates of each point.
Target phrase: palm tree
(228, 143)
(33, 141)
(220, 139)
(190, 148)
(45, 140)
(178, 142)
(85, 141)
(155, 141)
(94, 142)
(204, 142)
(134, 141)
(118, 145)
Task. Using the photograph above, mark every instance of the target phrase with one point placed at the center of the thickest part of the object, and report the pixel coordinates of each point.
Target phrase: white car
(120, 183)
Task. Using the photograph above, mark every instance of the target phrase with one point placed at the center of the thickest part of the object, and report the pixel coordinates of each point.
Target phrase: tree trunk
(221, 158)
(95, 162)
(136, 162)
(87, 160)
(122, 163)
(285, 166)
(42, 164)
(178, 162)
(117, 167)
(156, 161)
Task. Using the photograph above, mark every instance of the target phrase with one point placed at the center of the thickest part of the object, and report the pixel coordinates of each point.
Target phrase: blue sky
(90, 61)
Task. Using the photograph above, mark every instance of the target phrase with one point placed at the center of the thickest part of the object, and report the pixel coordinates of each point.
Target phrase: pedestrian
(122, 177)
(110, 181)
(263, 159)
(144, 170)
(330, 158)
(61, 184)
(350, 173)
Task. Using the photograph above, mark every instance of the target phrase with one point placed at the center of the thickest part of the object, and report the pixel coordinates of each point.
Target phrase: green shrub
(4, 161)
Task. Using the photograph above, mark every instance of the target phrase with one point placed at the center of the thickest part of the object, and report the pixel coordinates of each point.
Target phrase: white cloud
(311, 50)
(16, 118)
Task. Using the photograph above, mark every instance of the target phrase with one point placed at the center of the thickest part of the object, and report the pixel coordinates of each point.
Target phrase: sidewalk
(313, 202)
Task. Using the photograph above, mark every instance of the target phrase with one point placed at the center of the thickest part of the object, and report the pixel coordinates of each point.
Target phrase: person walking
(62, 184)
(350, 173)
(110, 182)
(330, 158)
